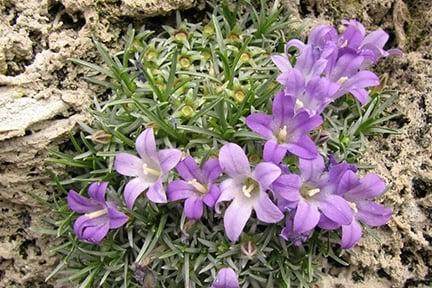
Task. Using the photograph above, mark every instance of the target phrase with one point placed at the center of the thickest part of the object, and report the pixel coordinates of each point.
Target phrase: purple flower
(312, 193)
(99, 215)
(246, 189)
(346, 72)
(285, 130)
(226, 278)
(289, 234)
(148, 170)
(198, 186)
(359, 193)
(370, 46)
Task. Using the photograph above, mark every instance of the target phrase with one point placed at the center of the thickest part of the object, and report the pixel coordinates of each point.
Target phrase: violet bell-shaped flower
(285, 130)
(226, 278)
(371, 46)
(99, 215)
(149, 169)
(359, 193)
(197, 187)
(246, 189)
(312, 193)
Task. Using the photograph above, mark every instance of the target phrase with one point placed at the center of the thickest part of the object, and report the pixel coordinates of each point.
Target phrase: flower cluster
(326, 195)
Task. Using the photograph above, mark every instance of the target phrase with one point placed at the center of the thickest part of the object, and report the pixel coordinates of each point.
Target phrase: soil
(43, 96)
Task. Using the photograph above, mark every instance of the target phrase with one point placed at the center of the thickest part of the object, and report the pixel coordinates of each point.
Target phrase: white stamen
(97, 213)
(299, 104)
(344, 44)
(282, 135)
(313, 192)
(198, 186)
(353, 206)
(247, 190)
(342, 80)
(151, 171)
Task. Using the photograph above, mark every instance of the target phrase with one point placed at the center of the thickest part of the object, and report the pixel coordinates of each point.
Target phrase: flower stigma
(250, 187)
(198, 186)
(308, 190)
(150, 171)
(97, 213)
(282, 135)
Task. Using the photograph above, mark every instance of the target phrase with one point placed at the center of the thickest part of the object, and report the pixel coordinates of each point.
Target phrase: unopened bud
(185, 62)
(249, 249)
(180, 36)
(187, 111)
(239, 95)
(233, 37)
(208, 30)
(101, 137)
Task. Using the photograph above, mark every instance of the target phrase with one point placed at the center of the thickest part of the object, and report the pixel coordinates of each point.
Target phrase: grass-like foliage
(194, 84)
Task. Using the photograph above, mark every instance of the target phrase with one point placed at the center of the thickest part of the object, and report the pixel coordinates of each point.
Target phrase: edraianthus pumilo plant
(192, 89)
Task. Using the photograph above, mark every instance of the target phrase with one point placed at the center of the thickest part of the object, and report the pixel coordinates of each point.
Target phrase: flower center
(308, 190)
(353, 206)
(97, 213)
(299, 104)
(147, 170)
(282, 135)
(250, 187)
(342, 80)
(198, 186)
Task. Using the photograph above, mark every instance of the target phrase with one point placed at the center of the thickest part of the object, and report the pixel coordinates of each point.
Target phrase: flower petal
(282, 62)
(370, 186)
(293, 81)
(156, 193)
(304, 148)
(274, 152)
(226, 278)
(233, 160)
(188, 169)
(266, 173)
(377, 38)
(146, 145)
(311, 170)
(91, 229)
(212, 196)
(97, 191)
(193, 208)
(235, 218)
(288, 187)
(303, 123)
(81, 204)
(266, 210)
(306, 217)
(260, 123)
(229, 188)
(211, 170)
(133, 189)
(128, 164)
(373, 214)
(179, 189)
(168, 159)
(327, 224)
(282, 109)
(336, 209)
(116, 218)
(362, 95)
(351, 234)
(347, 182)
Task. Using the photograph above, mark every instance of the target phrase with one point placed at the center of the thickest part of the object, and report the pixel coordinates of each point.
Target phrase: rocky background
(43, 96)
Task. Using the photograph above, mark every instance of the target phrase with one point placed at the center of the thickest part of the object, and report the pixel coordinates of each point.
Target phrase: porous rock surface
(42, 97)
(400, 254)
